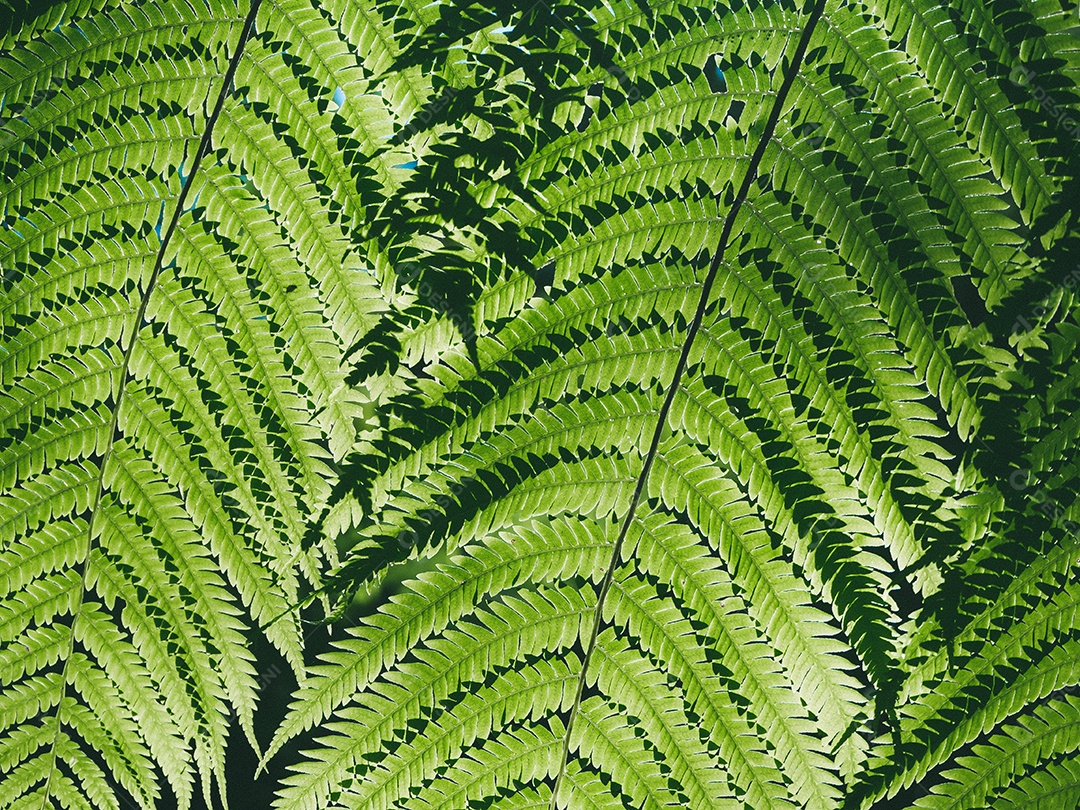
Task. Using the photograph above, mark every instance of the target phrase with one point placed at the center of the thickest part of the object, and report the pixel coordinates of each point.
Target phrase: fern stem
(814, 15)
(125, 366)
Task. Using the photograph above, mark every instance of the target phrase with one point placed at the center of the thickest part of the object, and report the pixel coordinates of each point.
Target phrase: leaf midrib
(815, 12)
(125, 366)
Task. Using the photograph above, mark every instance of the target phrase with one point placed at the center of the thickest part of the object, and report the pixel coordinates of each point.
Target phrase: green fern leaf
(676, 405)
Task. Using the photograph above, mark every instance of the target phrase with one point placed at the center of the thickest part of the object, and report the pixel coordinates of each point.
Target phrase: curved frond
(676, 405)
(746, 257)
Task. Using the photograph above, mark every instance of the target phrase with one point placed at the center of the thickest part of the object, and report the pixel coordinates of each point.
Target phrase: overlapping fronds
(727, 293)
(707, 374)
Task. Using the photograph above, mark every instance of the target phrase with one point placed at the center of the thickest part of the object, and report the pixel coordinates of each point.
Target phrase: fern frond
(173, 380)
(706, 377)
(1050, 730)
(746, 236)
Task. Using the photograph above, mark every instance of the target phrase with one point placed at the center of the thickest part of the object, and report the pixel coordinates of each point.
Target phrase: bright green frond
(648, 404)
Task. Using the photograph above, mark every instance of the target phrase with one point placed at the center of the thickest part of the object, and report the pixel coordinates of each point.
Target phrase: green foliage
(707, 377)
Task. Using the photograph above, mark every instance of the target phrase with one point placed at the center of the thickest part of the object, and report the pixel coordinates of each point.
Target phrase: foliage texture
(706, 377)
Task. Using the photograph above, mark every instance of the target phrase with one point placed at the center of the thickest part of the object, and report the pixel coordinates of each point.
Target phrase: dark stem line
(815, 12)
(125, 366)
